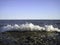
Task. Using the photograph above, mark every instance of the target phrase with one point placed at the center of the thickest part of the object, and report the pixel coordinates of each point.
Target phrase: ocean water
(30, 32)
(29, 25)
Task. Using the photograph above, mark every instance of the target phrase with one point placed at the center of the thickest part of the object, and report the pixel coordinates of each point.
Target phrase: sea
(33, 24)
(29, 32)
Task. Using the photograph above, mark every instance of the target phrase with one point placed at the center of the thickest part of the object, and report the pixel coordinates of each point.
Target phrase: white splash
(29, 27)
(51, 28)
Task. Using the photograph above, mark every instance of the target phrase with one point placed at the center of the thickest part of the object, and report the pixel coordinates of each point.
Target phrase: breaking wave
(29, 27)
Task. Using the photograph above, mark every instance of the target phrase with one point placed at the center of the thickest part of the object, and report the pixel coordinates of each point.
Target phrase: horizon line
(29, 19)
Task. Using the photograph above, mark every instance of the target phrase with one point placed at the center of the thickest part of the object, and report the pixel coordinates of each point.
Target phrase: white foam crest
(31, 27)
(51, 28)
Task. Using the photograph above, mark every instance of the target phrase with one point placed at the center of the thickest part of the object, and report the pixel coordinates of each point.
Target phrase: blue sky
(29, 9)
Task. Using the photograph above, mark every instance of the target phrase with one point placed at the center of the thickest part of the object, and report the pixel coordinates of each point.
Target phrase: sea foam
(29, 27)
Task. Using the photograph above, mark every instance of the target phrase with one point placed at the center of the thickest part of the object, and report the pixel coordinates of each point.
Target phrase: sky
(29, 9)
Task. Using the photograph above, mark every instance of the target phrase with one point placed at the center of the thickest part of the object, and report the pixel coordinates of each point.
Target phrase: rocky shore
(29, 38)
